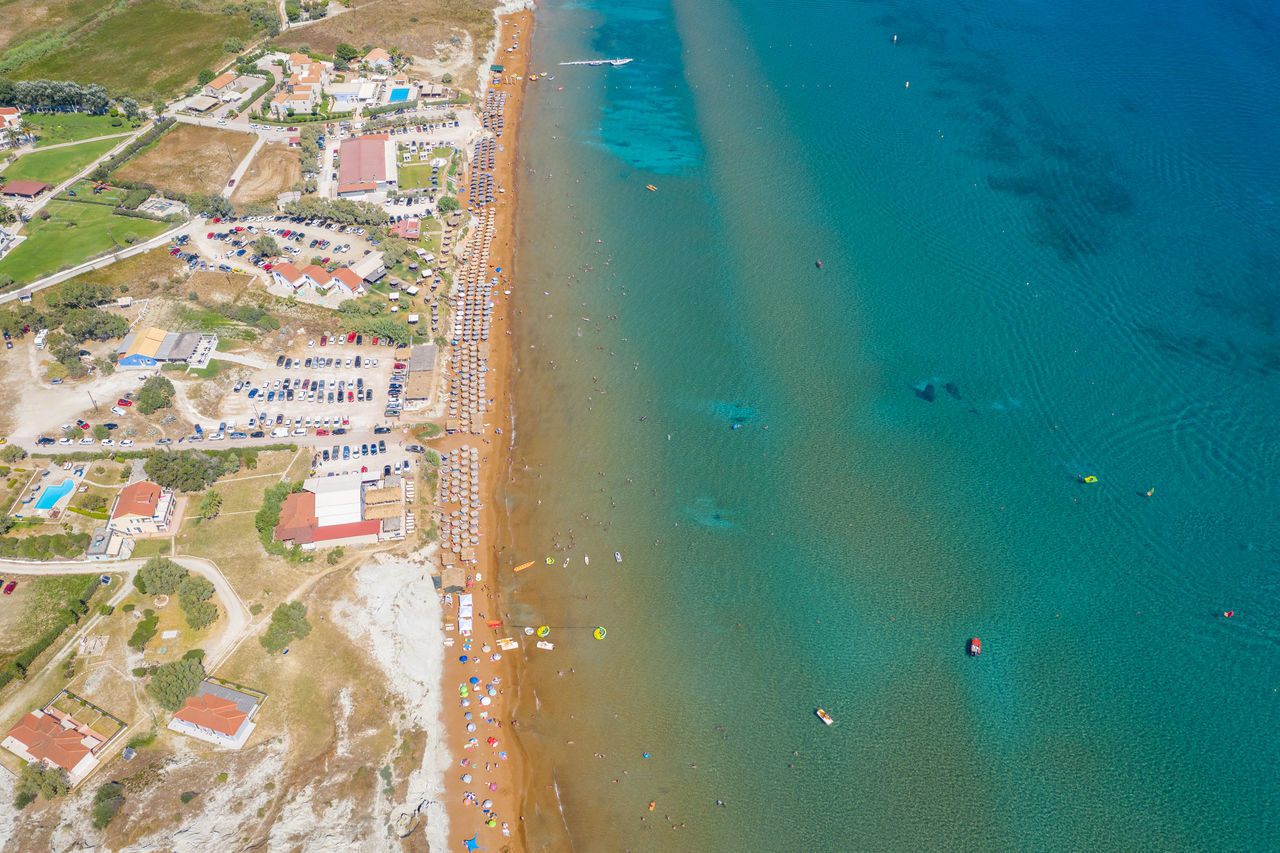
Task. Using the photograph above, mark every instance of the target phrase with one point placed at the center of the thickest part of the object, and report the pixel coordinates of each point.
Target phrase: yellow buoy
(551, 561)
(543, 631)
(599, 633)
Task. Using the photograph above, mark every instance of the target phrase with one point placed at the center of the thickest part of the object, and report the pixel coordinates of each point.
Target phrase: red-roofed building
(57, 740)
(318, 275)
(10, 118)
(328, 510)
(217, 714)
(288, 275)
(142, 508)
(347, 280)
(409, 229)
(24, 189)
(368, 159)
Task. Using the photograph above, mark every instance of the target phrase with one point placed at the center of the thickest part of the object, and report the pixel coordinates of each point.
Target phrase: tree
(106, 802)
(130, 107)
(100, 432)
(334, 556)
(172, 683)
(346, 52)
(79, 294)
(393, 249)
(205, 76)
(266, 246)
(36, 780)
(156, 393)
(13, 453)
(446, 79)
(193, 597)
(448, 204)
(161, 576)
(211, 504)
(233, 45)
(189, 470)
(292, 10)
(288, 623)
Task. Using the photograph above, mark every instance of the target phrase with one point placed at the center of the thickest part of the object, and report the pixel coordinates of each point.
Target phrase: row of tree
(341, 210)
(52, 95)
(190, 470)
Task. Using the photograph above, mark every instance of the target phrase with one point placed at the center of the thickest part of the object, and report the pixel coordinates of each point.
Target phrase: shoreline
(497, 772)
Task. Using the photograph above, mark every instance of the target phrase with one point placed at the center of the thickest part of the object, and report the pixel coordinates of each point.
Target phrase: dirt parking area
(275, 169)
(190, 158)
(275, 382)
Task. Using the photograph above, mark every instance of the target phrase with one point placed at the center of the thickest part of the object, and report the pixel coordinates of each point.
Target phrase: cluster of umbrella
(460, 484)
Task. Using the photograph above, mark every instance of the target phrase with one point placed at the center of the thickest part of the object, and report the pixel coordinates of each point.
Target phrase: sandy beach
(484, 784)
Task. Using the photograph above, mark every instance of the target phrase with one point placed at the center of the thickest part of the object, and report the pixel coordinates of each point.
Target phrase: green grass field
(71, 234)
(111, 196)
(54, 167)
(56, 128)
(417, 175)
(151, 46)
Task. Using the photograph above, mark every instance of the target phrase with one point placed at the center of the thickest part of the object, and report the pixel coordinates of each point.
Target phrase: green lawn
(415, 175)
(71, 234)
(151, 46)
(54, 167)
(56, 128)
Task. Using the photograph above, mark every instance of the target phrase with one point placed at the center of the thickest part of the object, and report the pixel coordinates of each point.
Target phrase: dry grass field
(190, 158)
(416, 27)
(274, 170)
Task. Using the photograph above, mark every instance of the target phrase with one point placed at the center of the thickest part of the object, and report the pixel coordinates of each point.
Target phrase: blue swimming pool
(52, 494)
(398, 95)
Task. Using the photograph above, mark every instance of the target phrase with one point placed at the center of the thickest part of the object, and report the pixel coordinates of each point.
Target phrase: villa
(56, 740)
(217, 714)
(142, 508)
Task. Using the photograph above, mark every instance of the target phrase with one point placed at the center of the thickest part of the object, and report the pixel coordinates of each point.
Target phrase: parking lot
(325, 384)
(226, 245)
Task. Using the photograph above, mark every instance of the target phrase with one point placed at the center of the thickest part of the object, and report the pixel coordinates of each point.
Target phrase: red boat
(975, 647)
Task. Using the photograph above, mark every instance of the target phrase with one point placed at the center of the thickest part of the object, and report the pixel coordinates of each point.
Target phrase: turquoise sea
(1054, 254)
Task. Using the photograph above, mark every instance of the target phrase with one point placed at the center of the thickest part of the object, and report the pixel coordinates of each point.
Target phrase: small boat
(975, 647)
(617, 556)
(1229, 613)
(819, 263)
(651, 188)
(543, 644)
(824, 716)
(586, 559)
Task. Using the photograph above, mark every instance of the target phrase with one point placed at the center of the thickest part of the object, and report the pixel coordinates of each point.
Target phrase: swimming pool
(398, 95)
(52, 494)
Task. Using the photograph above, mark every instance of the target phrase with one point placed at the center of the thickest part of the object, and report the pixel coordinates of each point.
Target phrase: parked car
(10, 587)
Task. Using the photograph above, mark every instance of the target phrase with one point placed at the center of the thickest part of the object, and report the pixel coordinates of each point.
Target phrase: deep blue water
(1068, 225)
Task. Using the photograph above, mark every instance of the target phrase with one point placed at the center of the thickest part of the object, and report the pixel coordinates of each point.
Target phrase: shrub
(288, 623)
(162, 576)
(188, 796)
(172, 683)
(37, 780)
(106, 802)
(145, 631)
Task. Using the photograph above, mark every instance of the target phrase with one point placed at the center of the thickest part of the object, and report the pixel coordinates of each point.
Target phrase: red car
(217, 219)
(399, 365)
(324, 339)
(10, 587)
(322, 432)
(267, 266)
(123, 402)
(82, 424)
(351, 396)
(351, 337)
(375, 342)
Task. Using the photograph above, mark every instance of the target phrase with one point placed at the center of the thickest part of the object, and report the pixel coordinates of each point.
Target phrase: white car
(217, 436)
(311, 344)
(299, 431)
(65, 440)
(87, 440)
(116, 410)
(128, 442)
(107, 442)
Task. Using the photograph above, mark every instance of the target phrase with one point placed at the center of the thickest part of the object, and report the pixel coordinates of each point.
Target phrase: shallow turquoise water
(1067, 224)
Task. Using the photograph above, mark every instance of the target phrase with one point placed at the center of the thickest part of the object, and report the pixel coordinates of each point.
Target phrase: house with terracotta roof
(142, 508)
(57, 740)
(346, 280)
(218, 714)
(377, 59)
(317, 275)
(287, 275)
(301, 100)
(10, 118)
(221, 85)
(298, 60)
